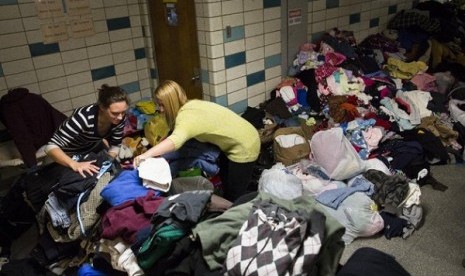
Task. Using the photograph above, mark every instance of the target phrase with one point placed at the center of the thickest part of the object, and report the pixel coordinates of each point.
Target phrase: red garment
(405, 106)
(126, 219)
(368, 82)
(332, 60)
(352, 99)
(379, 122)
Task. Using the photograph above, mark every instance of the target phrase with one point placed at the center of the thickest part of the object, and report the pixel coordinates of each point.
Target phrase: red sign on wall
(294, 17)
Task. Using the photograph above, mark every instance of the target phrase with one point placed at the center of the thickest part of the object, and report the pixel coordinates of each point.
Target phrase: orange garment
(350, 110)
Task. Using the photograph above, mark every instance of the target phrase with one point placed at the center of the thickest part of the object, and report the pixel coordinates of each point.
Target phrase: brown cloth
(30, 120)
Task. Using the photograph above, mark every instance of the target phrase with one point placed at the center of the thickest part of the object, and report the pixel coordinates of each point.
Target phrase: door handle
(196, 77)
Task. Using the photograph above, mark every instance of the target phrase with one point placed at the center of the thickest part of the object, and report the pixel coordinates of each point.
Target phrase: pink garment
(288, 94)
(334, 87)
(307, 46)
(323, 89)
(372, 137)
(313, 184)
(332, 60)
(425, 82)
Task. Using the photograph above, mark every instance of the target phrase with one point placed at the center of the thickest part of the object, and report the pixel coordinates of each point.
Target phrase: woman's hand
(163, 147)
(138, 160)
(85, 167)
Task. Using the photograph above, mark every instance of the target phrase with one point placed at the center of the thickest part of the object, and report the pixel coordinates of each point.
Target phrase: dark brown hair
(111, 94)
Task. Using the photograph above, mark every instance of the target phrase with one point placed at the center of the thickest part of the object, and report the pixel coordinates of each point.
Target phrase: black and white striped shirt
(79, 133)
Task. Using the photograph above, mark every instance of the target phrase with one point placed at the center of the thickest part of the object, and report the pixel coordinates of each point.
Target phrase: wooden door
(174, 33)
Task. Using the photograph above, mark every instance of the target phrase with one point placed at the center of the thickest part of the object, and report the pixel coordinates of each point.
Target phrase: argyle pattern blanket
(274, 241)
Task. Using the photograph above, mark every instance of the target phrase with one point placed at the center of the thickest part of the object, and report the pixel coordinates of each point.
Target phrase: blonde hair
(172, 96)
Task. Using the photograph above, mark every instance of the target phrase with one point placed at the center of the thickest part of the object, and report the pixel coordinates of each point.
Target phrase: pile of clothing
(348, 140)
(376, 116)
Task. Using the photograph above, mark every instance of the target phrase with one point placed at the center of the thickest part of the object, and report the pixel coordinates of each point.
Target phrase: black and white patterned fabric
(414, 18)
(275, 241)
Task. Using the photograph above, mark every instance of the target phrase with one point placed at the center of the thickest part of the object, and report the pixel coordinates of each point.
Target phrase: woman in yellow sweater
(211, 123)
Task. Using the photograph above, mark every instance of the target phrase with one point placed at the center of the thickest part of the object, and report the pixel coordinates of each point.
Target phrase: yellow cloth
(218, 125)
(439, 129)
(441, 52)
(146, 107)
(156, 129)
(404, 70)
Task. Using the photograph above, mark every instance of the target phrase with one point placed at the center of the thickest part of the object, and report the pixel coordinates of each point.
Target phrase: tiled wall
(239, 45)
(68, 73)
(244, 67)
(363, 17)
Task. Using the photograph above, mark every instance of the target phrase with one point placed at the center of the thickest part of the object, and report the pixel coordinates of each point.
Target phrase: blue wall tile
(204, 76)
(255, 78)
(272, 61)
(8, 2)
(239, 107)
(354, 18)
(392, 9)
(234, 60)
(330, 4)
(221, 100)
(374, 22)
(1, 71)
(131, 87)
(153, 73)
(118, 23)
(271, 3)
(139, 53)
(102, 73)
(236, 34)
(39, 49)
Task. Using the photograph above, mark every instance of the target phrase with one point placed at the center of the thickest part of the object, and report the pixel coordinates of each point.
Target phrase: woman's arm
(163, 147)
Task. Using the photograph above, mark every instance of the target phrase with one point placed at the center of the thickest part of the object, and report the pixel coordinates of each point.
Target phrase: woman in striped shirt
(89, 129)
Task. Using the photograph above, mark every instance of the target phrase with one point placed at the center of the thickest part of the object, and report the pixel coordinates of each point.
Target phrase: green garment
(158, 245)
(218, 234)
(212, 123)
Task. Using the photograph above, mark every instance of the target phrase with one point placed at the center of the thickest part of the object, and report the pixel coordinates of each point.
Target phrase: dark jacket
(30, 120)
